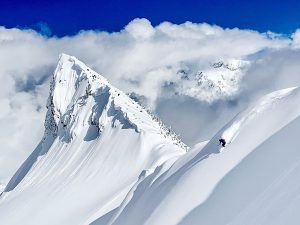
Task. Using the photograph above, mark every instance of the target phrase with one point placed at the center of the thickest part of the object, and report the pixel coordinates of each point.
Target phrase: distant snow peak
(232, 65)
(218, 80)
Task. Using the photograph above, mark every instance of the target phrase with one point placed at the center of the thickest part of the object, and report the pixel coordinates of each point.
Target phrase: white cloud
(143, 59)
(296, 38)
(140, 29)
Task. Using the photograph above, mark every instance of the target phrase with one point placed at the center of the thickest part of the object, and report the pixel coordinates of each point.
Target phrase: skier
(222, 141)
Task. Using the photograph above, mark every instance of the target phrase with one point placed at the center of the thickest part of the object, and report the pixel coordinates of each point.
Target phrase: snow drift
(104, 160)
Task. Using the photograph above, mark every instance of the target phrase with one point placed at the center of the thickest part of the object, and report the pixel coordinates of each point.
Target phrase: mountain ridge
(94, 135)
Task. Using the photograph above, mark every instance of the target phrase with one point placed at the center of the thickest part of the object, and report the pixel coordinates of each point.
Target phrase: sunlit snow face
(196, 76)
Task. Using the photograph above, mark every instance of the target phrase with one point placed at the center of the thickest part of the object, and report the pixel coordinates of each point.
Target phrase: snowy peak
(80, 98)
(214, 81)
(70, 75)
(97, 142)
(71, 83)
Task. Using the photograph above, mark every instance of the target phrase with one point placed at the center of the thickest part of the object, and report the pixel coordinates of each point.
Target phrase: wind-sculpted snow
(96, 143)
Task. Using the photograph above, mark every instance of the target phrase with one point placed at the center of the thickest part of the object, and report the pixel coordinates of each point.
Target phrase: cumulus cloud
(296, 38)
(176, 68)
(140, 29)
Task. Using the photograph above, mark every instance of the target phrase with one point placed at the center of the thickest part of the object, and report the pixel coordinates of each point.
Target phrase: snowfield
(104, 160)
(170, 196)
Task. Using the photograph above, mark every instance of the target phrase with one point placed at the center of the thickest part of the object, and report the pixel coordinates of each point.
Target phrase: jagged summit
(76, 86)
(214, 81)
(97, 142)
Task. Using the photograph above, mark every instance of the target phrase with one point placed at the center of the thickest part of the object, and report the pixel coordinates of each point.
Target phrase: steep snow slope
(180, 193)
(264, 189)
(96, 143)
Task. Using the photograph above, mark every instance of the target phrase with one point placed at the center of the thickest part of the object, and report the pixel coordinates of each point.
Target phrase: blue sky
(68, 17)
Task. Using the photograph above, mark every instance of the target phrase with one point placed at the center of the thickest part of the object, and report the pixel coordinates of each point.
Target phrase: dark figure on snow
(222, 142)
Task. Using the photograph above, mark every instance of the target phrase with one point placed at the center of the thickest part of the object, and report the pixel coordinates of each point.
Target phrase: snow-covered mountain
(104, 160)
(217, 80)
(97, 142)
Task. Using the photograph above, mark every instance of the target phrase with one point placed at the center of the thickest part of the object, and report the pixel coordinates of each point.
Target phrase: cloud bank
(195, 76)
